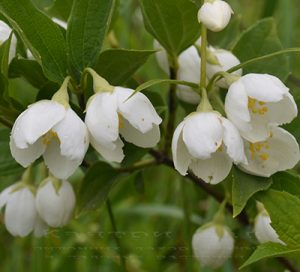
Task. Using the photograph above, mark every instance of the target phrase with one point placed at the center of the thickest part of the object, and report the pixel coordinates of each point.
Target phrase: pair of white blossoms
(50, 128)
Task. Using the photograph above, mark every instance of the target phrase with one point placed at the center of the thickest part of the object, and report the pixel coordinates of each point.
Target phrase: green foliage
(40, 34)
(87, 28)
(118, 65)
(284, 210)
(259, 40)
(244, 186)
(173, 23)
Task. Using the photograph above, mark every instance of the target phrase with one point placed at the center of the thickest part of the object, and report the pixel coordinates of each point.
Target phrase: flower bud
(20, 212)
(263, 229)
(215, 14)
(226, 60)
(55, 201)
(212, 245)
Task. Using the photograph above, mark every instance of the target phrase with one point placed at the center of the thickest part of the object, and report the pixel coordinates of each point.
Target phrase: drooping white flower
(207, 144)
(226, 60)
(55, 202)
(20, 215)
(188, 70)
(213, 245)
(114, 112)
(279, 152)
(5, 32)
(263, 230)
(215, 14)
(256, 101)
(51, 129)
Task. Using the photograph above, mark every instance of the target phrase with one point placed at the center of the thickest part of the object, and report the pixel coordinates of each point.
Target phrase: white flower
(109, 114)
(188, 70)
(20, 216)
(226, 61)
(280, 151)
(263, 229)
(61, 23)
(212, 245)
(207, 143)
(215, 14)
(53, 130)
(5, 32)
(55, 202)
(257, 100)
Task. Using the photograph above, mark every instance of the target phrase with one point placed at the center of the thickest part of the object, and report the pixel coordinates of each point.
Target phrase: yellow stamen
(121, 120)
(257, 106)
(264, 156)
(49, 136)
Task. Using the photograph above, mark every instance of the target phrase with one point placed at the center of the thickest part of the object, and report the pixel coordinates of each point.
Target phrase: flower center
(257, 107)
(260, 150)
(49, 136)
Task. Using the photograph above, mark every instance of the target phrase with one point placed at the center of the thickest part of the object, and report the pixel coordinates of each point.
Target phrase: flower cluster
(256, 105)
(29, 209)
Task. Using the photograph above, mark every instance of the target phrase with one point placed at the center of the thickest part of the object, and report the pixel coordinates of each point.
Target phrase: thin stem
(187, 221)
(203, 57)
(172, 100)
(115, 230)
(6, 122)
(137, 166)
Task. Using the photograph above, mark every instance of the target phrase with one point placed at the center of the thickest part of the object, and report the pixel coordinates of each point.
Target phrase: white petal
(61, 23)
(115, 155)
(236, 106)
(132, 135)
(55, 208)
(264, 231)
(60, 166)
(161, 57)
(214, 169)
(29, 154)
(187, 95)
(282, 112)
(210, 249)
(20, 213)
(102, 118)
(282, 154)
(226, 60)
(202, 134)
(138, 110)
(5, 31)
(264, 87)
(4, 195)
(34, 122)
(233, 142)
(73, 136)
(181, 156)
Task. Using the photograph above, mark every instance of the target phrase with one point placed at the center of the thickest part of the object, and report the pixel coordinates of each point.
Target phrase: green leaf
(173, 23)
(288, 182)
(258, 40)
(96, 186)
(245, 186)
(87, 28)
(40, 34)
(269, 250)
(8, 165)
(118, 65)
(30, 70)
(284, 210)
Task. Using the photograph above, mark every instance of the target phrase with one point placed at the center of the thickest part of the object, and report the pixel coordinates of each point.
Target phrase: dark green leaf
(30, 70)
(259, 40)
(87, 28)
(118, 65)
(245, 186)
(96, 186)
(4, 56)
(284, 210)
(40, 34)
(173, 23)
(139, 182)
